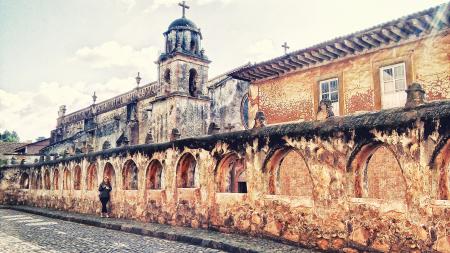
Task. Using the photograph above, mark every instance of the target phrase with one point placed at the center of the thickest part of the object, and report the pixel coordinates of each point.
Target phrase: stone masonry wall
(369, 182)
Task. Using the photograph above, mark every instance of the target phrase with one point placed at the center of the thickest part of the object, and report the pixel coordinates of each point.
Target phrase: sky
(55, 52)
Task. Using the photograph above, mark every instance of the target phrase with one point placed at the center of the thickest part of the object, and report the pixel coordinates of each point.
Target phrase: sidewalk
(202, 237)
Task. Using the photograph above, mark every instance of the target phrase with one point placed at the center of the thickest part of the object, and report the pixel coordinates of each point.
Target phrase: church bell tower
(183, 67)
(182, 106)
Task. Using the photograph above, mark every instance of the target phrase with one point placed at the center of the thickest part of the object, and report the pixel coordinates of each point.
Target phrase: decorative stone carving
(260, 120)
(415, 95)
(325, 110)
(213, 128)
(175, 134)
(149, 137)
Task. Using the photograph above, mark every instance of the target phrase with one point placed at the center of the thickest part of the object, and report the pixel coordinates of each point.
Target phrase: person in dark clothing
(104, 189)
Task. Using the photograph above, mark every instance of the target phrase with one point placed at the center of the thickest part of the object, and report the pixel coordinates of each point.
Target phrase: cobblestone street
(24, 232)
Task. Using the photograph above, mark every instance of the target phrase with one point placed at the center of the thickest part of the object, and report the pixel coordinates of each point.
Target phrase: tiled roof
(410, 27)
(9, 147)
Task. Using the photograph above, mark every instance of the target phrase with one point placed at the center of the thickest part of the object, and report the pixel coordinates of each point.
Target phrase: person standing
(104, 189)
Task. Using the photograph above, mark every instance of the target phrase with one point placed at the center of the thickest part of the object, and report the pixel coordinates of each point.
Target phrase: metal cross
(229, 127)
(94, 97)
(286, 47)
(138, 79)
(184, 6)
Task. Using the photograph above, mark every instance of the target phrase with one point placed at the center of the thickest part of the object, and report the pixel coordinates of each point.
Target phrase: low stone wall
(376, 181)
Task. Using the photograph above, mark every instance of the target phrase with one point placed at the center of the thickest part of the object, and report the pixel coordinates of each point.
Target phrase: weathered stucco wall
(226, 105)
(371, 181)
(295, 96)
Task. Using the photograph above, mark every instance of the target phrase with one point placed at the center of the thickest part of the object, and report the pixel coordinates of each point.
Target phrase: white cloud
(112, 54)
(33, 113)
(129, 4)
(262, 50)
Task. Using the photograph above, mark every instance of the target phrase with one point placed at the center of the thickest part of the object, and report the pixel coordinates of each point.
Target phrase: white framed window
(393, 85)
(329, 89)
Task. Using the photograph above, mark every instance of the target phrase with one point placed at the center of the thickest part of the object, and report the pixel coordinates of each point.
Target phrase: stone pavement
(25, 233)
(188, 236)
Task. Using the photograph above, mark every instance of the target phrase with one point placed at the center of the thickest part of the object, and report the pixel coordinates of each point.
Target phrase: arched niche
(130, 175)
(378, 173)
(67, 179)
(47, 182)
(230, 174)
(24, 181)
(56, 179)
(77, 178)
(440, 163)
(91, 177)
(288, 173)
(109, 172)
(153, 175)
(186, 171)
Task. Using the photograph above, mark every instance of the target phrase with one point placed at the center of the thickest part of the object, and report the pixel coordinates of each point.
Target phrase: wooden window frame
(376, 66)
(317, 92)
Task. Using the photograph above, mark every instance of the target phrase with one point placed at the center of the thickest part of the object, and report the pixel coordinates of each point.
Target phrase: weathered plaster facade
(287, 88)
(376, 181)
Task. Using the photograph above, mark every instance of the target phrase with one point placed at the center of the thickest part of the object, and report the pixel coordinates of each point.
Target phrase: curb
(207, 243)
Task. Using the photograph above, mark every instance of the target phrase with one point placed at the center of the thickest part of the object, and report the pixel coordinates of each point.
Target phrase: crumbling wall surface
(227, 104)
(371, 182)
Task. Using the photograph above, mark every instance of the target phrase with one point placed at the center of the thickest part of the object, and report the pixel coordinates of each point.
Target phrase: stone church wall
(375, 181)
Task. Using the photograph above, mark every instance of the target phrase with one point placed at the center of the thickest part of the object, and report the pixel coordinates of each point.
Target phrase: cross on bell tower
(286, 47)
(184, 7)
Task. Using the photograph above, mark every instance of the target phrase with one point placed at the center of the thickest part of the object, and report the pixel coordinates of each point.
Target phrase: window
(244, 111)
(192, 82)
(329, 89)
(167, 76)
(393, 85)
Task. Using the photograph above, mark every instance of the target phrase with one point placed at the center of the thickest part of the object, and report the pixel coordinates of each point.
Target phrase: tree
(8, 136)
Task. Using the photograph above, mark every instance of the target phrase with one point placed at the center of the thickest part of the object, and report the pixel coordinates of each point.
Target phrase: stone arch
(378, 173)
(38, 180)
(77, 178)
(24, 181)
(167, 75)
(47, 183)
(130, 175)
(441, 163)
(91, 177)
(231, 174)
(186, 171)
(67, 179)
(109, 172)
(288, 173)
(193, 76)
(153, 175)
(56, 179)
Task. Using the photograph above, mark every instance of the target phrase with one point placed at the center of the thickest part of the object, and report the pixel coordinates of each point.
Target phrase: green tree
(8, 136)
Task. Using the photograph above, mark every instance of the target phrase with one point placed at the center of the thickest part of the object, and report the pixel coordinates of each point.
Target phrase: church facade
(182, 103)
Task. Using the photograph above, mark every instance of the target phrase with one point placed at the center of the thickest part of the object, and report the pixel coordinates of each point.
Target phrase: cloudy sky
(55, 52)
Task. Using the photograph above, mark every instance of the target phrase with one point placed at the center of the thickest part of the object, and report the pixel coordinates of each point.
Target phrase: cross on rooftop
(94, 97)
(286, 47)
(184, 7)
